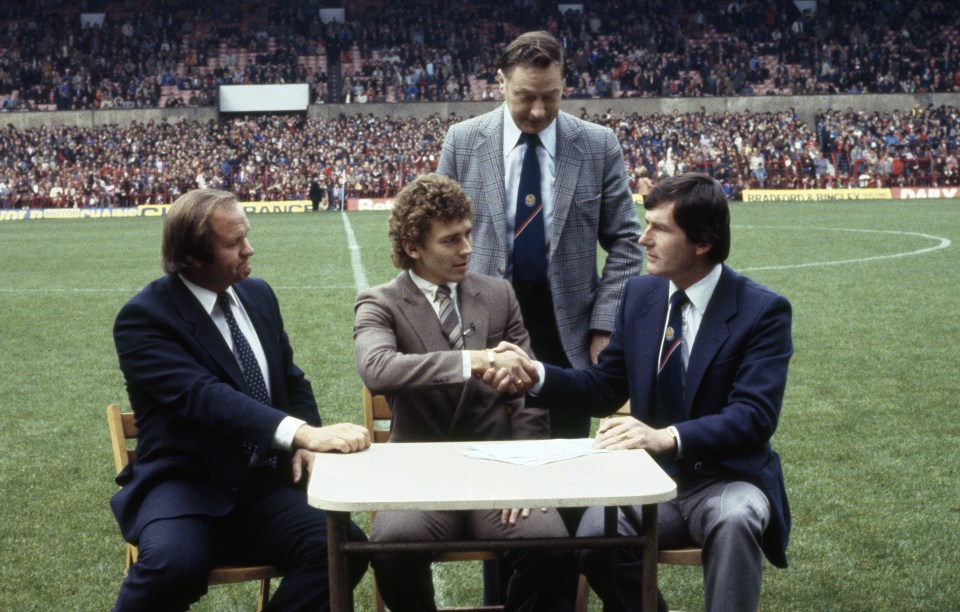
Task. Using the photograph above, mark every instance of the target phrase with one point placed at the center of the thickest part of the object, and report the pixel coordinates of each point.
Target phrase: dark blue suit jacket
(734, 384)
(191, 402)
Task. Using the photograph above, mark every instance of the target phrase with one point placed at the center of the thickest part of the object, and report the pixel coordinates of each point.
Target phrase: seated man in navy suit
(701, 352)
(227, 423)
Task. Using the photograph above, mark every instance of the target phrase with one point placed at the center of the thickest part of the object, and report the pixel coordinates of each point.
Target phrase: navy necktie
(248, 361)
(670, 376)
(670, 372)
(251, 371)
(529, 240)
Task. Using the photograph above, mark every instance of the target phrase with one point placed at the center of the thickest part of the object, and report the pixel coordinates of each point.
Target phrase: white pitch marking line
(942, 244)
(359, 275)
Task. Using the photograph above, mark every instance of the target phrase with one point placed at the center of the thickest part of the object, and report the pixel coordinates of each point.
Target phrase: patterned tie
(449, 319)
(670, 373)
(251, 370)
(670, 377)
(529, 242)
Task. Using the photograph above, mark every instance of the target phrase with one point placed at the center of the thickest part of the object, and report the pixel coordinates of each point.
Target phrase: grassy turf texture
(868, 433)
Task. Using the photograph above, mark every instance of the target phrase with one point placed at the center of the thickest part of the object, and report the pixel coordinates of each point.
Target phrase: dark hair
(187, 231)
(699, 209)
(539, 49)
(428, 197)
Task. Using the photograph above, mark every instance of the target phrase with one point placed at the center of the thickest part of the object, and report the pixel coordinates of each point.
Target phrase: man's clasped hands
(509, 370)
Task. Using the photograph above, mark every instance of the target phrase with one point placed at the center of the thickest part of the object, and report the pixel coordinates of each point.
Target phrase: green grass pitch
(868, 433)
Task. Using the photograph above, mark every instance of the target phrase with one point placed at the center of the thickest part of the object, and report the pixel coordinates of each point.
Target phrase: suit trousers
(725, 517)
(406, 581)
(272, 524)
(536, 307)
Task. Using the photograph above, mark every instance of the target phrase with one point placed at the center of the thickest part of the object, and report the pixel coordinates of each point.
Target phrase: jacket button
(509, 410)
(697, 466)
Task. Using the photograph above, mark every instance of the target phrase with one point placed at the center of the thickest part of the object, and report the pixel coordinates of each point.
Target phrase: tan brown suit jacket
(402, 353)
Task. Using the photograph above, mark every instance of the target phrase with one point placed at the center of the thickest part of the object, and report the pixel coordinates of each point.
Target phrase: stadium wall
(806, 108)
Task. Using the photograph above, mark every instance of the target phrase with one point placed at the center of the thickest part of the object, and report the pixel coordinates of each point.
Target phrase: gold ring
(517, 380)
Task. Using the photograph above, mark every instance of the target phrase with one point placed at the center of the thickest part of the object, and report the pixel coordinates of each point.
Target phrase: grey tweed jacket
(592, 204)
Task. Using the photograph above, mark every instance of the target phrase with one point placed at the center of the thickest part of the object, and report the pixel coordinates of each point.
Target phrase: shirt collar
(430, 289)
(511, 135)
(207, 298)
(701, 291)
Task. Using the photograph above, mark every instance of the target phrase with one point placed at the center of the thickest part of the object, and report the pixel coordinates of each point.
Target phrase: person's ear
(412, 250)
(502, 80)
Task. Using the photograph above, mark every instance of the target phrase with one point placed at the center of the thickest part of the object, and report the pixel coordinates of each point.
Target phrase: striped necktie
(449, 319)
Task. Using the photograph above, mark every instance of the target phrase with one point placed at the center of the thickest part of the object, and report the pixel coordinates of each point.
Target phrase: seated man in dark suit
(423, 340)
(227, 423)
(701, 352)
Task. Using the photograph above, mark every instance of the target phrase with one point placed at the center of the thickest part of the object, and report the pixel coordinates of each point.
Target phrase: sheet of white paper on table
(534, 452)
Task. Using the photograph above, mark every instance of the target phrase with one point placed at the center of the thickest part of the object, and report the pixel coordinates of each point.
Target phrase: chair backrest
(376, 416)
(123, 435)
(123, 439)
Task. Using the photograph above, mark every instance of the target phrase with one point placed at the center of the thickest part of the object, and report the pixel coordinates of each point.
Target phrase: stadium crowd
(276, 157)
(149, 54)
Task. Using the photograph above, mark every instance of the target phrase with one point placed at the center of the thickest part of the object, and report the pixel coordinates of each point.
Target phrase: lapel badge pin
(669, 334)
(530, 200)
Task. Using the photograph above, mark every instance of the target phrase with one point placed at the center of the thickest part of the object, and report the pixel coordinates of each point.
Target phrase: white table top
(437, 476)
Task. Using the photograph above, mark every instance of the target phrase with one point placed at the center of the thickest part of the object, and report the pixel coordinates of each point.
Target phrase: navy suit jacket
(191, 403)
(733, 392)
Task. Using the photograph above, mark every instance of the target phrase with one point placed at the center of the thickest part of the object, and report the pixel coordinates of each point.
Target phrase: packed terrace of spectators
(175, 53)
(275, 157)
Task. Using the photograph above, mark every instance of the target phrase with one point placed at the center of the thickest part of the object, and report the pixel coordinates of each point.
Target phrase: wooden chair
(123, 430)
(377, 417)
(678, 556)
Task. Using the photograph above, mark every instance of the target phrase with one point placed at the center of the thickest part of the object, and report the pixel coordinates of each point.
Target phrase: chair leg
(264, 596)
(583, 592)
(381, 607)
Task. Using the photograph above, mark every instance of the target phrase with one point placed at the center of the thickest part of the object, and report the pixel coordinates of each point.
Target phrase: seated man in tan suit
(422, 340)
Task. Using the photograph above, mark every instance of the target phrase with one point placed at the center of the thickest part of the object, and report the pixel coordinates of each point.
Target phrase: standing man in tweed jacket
(578, 196)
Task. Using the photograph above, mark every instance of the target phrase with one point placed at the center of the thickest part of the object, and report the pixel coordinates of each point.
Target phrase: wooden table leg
(341, 595)
(648, 529)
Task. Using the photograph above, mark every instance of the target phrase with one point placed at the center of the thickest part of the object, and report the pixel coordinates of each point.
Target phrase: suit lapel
(712, 334)
(570, 155)
(473, 313)
(650, 316)
(206, 333)
(421, 316)
(489, 150)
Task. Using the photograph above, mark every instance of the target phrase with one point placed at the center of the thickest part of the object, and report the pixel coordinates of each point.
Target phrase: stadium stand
(168, 54)
(274, 157)
(171, 55)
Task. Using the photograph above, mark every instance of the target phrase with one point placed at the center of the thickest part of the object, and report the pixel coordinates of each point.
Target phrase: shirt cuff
(676, 436)
(467, 370)
(542, 374)
(283, 437)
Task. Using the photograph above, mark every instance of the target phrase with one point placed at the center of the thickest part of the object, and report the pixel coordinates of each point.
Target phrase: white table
(438, 476)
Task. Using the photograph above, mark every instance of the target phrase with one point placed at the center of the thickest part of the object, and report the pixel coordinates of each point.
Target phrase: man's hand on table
(342, 437)
(509, 517)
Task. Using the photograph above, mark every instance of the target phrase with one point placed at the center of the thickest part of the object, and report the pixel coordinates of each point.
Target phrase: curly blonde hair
(428, 197)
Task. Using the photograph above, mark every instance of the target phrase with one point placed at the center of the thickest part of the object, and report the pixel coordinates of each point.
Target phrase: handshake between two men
(506, 368)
